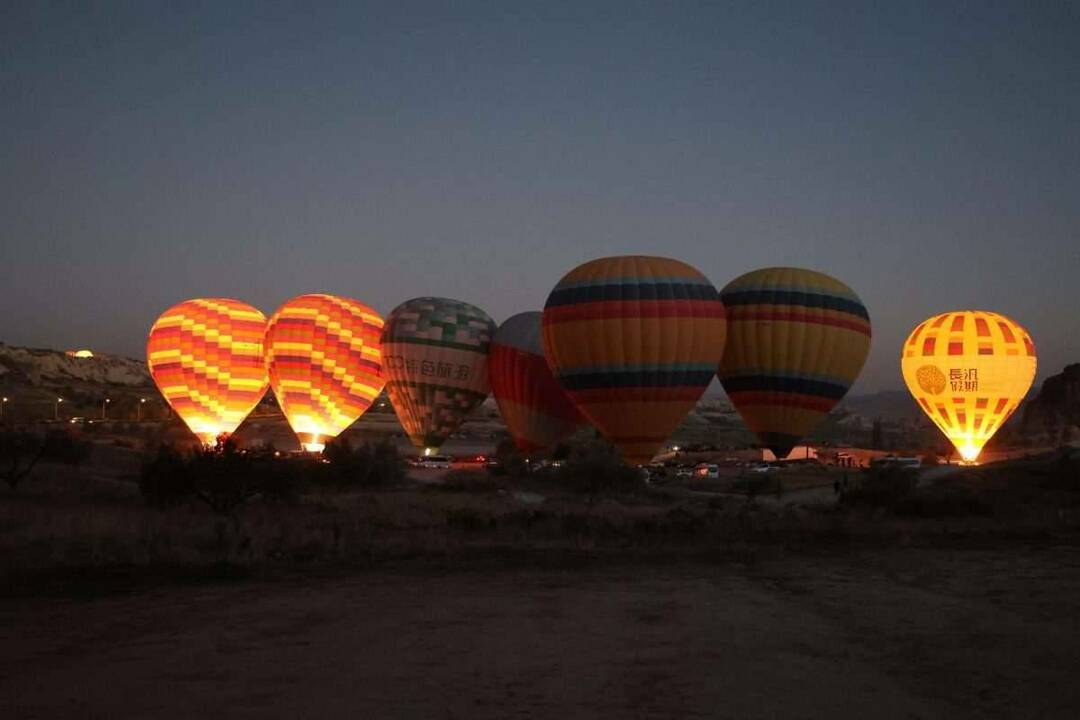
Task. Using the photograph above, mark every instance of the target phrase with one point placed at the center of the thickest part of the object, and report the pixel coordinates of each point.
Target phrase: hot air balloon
(797, 340)
(324, 358)
(206, 357)
(436, 354)
(537, 411)
(968, 370)
(635, 341)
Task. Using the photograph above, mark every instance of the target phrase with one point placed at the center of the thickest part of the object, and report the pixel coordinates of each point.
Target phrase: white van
(441, 462)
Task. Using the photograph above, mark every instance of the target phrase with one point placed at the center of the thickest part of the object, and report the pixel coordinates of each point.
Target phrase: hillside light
(56, 408)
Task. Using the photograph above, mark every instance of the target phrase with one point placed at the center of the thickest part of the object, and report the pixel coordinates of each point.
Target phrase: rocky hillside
(1054, 413)
(51, 368)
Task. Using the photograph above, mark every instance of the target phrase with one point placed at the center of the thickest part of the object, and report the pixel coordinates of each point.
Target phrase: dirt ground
(902, 634)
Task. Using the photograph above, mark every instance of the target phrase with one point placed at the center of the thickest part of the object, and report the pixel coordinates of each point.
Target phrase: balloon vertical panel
(797, 340)
(436, 357)
(206, 357)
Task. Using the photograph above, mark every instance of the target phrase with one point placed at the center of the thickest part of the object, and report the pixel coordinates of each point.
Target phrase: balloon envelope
(206, 357)
(324, 358)
(537, 411)
(635, 341)
(797, 340)
(436, 358)
(968, 370)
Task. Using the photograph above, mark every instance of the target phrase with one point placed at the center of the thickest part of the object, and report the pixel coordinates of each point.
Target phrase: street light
(104, 403)
(141, 401)
(56, 408)
(2, 404)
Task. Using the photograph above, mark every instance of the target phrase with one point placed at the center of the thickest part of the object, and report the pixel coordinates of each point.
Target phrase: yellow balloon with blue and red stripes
(797, 340)
(634, 341)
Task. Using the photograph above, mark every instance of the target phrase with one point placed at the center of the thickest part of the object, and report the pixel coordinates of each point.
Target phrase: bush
(596, 468)
(19, 452)
(511, 461)
(61, 446)
(369, 465)
(226, 476)
(166, 479)
(883, 487)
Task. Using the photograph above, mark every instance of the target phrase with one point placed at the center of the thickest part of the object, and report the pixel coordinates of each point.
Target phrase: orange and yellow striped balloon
(634, 341)
(324, 357)
(969, 370)
(206, 357)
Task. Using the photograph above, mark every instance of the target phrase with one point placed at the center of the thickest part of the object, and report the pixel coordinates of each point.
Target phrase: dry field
(891, 634)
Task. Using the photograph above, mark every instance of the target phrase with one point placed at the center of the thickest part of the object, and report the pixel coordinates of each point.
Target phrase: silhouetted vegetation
(20, 452)
(227, 476)
(595, 468)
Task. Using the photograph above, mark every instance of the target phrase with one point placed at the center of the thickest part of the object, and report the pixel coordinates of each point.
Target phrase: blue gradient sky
(926, 154)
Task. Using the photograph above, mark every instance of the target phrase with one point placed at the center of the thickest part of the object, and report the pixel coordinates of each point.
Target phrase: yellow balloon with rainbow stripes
(797, 340)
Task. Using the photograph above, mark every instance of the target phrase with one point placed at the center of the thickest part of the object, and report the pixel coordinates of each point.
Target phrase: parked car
(684, 471)
(440, 462)
(706, 471)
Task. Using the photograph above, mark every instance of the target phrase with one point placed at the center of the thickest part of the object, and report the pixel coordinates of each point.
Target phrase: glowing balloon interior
(797, 340)
(324, 358)
(969, 370)
(206, 357)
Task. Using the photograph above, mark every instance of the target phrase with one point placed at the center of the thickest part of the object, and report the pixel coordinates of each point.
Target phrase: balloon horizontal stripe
(643, 394)
(642, 439)
(432, 387)
(807, 283)
(634, 290)
(783, 399)
(848, 323)
(636, 280)
(636, 378)
(783, 372)
(736, 298)
(408, 340)
(784, 384)
(617, 309)
(568, 372)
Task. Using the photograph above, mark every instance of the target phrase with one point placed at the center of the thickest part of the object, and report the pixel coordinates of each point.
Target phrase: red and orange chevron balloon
(206, 357)
(324, 357)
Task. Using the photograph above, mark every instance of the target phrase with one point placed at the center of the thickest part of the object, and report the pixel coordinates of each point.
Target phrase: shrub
(19, 452)
(166, 479)
(596, 468)
(369, 465)
(61, 446)
(883, 487)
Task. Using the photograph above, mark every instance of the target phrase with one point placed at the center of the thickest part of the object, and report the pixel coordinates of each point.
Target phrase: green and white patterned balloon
(435, 354)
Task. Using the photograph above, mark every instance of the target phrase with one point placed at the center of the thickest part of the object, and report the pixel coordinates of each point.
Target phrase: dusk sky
(926, 154)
